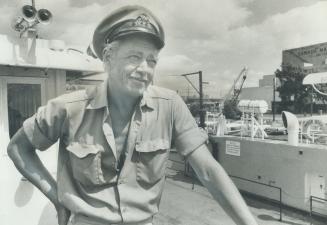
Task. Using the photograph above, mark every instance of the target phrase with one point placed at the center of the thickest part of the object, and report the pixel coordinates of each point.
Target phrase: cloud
(263, 9)
(259, 46)
(297, 27)
(170, 67)
(264, 42)
(198, 20)
(177, 64)
(183, 19)
(212, 36)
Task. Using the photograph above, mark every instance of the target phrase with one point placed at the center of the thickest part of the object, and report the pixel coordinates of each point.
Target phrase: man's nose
(143, 66)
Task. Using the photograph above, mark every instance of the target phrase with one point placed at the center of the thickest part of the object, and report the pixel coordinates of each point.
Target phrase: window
(23, 101)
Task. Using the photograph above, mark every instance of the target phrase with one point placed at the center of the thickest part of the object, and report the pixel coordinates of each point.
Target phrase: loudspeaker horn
(29, 13)
(44, 16)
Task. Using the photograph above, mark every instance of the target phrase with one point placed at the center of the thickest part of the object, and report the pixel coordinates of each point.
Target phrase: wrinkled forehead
(140, 44)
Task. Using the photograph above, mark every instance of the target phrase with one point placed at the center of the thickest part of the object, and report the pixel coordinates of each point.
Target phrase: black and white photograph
(156, 112)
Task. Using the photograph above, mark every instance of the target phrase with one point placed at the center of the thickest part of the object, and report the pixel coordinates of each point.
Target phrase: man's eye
(152, 62)
(134, 58)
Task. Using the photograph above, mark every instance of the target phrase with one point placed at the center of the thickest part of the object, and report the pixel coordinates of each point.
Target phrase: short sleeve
(44, 128)
(187, 136)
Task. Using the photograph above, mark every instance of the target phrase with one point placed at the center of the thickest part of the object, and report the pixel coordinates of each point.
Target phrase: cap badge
(142, 20)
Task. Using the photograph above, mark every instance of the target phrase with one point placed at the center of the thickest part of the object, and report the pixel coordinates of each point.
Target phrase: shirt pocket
(152, 158)
(86, 163)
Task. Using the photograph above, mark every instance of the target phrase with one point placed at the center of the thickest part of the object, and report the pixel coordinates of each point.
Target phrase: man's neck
(123, 104)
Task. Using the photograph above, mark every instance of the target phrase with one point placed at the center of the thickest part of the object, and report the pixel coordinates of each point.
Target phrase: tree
(321, 98)
(194, 109)
(295, 96)
(231, 111)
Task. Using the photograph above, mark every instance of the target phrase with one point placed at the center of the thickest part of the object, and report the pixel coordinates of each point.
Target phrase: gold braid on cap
(142, 21)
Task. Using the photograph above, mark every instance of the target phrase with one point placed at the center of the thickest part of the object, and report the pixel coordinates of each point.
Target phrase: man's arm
(218, 183)
(24, 156)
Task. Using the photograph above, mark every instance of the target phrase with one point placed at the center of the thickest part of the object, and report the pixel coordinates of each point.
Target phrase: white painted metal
(40, 53)
(22, 203)
(33, 61)
(315, 78)
(253, 106)
(292, 124)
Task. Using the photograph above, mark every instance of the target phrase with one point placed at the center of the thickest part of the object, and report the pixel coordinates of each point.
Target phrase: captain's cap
(126, 21)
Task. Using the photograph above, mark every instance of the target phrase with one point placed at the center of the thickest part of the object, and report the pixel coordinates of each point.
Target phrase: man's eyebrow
(133, 52)
(153, 57)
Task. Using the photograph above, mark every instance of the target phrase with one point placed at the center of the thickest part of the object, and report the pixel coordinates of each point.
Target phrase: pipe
(292, 124)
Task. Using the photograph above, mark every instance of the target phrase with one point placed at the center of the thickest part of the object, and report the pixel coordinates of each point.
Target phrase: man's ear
(106, 59)
(105, 55)
(108, 52)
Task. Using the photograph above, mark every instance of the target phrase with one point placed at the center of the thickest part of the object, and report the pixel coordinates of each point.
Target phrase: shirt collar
(147, 100)
(99, 96)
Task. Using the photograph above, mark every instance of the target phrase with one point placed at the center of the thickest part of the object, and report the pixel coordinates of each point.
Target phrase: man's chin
(137, 92)
(138, 88)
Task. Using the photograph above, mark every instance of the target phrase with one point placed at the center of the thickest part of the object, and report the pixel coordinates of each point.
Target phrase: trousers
(77, 219)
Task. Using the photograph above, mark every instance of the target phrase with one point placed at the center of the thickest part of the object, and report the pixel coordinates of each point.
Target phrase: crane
(234, 92)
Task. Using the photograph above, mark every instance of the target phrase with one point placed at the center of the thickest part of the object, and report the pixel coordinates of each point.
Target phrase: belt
(78, 219)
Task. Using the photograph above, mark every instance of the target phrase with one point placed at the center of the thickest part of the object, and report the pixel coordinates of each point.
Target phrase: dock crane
(235, 90)
(232, 97)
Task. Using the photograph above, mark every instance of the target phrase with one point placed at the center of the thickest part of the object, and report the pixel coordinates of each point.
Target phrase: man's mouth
(139, 78)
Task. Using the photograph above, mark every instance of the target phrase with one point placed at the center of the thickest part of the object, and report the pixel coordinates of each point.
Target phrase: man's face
(131, 65)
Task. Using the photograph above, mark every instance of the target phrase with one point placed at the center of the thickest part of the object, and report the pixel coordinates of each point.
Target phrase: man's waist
(80, 219)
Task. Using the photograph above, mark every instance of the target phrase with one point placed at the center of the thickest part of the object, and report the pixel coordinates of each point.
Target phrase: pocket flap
(82, 150)
(152, 145)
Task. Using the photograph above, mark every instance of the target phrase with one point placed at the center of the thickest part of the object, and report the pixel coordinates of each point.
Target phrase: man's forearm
(30, 166)
(216, 180)
(224, 191)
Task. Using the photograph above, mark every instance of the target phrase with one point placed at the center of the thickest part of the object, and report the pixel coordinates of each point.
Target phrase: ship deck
(180, 205)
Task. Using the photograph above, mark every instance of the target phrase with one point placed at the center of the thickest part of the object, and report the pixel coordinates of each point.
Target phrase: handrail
(268, 185)
(311, 206)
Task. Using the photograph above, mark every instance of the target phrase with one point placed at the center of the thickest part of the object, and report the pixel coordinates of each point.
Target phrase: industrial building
(309, 59)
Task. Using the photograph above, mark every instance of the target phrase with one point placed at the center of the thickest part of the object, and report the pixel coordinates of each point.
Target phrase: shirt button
(121, 181)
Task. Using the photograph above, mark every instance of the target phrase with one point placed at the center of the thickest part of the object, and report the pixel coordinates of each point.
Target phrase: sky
(218, 37)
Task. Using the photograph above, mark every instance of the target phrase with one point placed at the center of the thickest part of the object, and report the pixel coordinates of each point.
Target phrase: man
(115, 139)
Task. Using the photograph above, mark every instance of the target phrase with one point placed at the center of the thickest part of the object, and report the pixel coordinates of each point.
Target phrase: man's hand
(63, 215)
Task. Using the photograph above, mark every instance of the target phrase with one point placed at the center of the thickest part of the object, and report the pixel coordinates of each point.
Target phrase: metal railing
(189, 172)
(312, 198)
(268, 185)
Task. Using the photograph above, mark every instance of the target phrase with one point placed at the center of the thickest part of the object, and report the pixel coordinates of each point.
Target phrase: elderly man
(115, 139)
